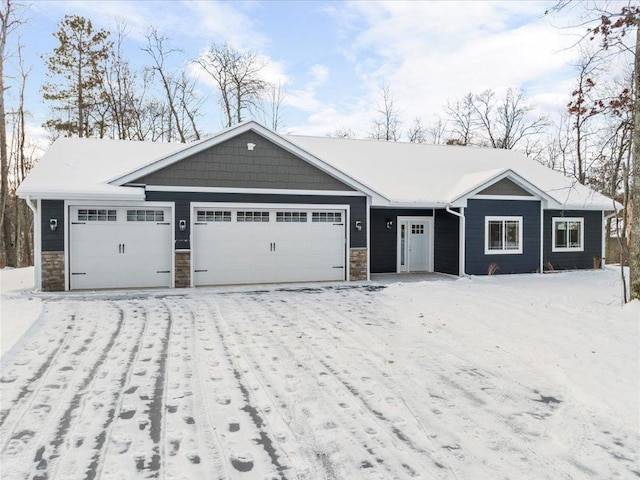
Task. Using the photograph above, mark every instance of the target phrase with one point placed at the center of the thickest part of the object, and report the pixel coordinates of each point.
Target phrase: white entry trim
(430, 246)
(78, 203)
(273, 206)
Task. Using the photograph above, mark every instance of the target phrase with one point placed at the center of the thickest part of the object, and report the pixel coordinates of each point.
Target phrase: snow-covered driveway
(511, 377)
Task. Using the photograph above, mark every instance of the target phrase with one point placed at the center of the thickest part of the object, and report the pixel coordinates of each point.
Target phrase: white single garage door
(236, 246)
(119, 247)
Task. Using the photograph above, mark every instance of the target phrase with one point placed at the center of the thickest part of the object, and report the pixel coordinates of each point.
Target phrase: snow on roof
(402, 173)
(82, 168)
(419, 174)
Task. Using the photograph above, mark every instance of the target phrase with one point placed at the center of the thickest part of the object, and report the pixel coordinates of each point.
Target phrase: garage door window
(145, 216)
(96, 215)
(213, 216)
(288, 217)
(329, 217)
(253, 216)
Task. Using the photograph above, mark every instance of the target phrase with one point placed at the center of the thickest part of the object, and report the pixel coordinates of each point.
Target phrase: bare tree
(180, 97)
(342, 132)
(437, 131)
(236, 74)
(276, 97)
(416, 132)
(9, 22)
(461, 117)
(387, 125)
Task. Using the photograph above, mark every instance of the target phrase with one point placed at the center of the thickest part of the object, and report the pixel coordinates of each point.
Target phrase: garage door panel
(127, 250)
(289, 247)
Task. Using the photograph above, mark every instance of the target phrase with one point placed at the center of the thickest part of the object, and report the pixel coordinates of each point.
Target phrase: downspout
(462, 237)
(605, 218)
(36, 242)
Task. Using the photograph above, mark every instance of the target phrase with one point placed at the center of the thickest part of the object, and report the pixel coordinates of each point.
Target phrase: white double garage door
(129, 247)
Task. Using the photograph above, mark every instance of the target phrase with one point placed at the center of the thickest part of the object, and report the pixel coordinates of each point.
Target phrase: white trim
(37, 244)
(430, 245)
(268, 191)
(515, 178)
(541, 267)
(503, 218)
(530, 198)
(554, 221)
(74, 203)
(368, 239)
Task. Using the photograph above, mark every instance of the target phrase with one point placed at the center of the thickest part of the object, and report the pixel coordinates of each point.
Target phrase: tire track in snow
(262, 309)
(27, 389)
(265, 439)
(126, 344)
(49, 450)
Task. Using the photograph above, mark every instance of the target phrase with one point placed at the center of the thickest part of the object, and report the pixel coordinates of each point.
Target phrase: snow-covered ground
(505, 377)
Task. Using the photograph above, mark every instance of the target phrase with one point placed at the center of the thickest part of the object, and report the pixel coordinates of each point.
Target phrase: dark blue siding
(384, 241)
(477, 263)
(592, 241)
(446, 258)
(358, 208)
(52, 241)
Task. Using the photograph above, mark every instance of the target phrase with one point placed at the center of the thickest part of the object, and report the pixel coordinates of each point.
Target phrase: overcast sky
(332, 57)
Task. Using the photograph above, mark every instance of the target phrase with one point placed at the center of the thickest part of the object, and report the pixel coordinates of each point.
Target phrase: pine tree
(77, 64)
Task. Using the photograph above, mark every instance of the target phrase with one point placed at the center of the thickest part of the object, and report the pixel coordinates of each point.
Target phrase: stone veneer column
(183, 269)
(357, 264)
(52, 271)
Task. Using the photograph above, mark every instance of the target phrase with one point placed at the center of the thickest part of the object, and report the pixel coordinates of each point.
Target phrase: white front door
(267, 245)
(415, 244)
(119, 247)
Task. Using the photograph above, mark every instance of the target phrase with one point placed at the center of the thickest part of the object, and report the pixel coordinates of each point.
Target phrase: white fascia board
(511, 175)
(136, 195)
(271, 191)
(230, 133)
(400, 204)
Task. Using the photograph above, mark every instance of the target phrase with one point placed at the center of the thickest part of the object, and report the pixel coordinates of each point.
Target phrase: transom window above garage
(97, 215)
(213, 215)
(291, 217)
(252, 216)
(145, 216)
(329, 217)
(568, 234)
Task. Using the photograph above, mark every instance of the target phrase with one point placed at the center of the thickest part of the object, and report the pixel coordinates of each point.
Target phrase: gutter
(462, 244)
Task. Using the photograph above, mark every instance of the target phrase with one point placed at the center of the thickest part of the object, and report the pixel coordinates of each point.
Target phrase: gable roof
(391, 173)
(409, 174)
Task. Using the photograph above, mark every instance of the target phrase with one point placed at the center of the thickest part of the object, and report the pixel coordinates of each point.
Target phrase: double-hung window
(503, 235)
(567, 234)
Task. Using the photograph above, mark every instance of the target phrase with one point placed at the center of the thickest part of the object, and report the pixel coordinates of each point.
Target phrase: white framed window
(213, 216)
(145, 216)
(326, 217)
(502, 235)
(567, 234)
(252, 217)
(96, 215)
(289, 217)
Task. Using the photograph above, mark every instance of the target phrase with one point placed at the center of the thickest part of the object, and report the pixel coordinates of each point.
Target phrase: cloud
(431, 52)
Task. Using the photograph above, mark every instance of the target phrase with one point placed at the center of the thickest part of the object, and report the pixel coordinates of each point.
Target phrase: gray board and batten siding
(232, 164)
(52, 241)
(477, 262)
(592, 252)
(357, 204)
